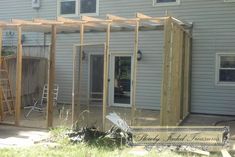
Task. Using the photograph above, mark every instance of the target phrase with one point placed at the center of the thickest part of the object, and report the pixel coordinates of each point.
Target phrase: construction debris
(113, 137)
(225, 153)
(122, 134)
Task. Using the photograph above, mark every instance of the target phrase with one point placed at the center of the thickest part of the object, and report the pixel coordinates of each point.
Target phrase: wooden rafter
(69, 21)
(3, 23)
(87, 18)
(143, 17)
(24, 22)
(74, 23)
(48, 22)
(118, 19)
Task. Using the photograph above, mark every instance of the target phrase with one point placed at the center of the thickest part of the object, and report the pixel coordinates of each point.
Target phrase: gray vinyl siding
(149, 68)
(213, 32)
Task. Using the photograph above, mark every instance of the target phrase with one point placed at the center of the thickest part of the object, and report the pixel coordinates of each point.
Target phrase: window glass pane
(68, 7)
(165, 1)
(227, 61)
(227, 76)
(122, 80)
(88, 6)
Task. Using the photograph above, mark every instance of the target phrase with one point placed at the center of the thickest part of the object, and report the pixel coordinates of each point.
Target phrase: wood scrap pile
(112, 137)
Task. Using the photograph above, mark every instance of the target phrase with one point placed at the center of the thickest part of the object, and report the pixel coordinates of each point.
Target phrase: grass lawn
(78, 150)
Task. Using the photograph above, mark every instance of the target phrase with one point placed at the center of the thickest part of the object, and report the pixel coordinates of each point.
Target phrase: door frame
(111, 78)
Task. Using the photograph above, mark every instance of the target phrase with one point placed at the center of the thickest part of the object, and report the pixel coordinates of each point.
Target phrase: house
(213, 56)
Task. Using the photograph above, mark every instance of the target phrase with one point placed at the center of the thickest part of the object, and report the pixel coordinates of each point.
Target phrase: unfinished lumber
(24, 22)
(187, 75)
(135, 54)
(74, 86)
(51, 78)
(80, 65)
(164, 112)
(118, 19)
(106, 71)
(69, 21)
(18, 78)
(182, 74)
(176, 67)
(142, 16)
(178, 73)
(47, 22)
(1, 105)
(225, 153)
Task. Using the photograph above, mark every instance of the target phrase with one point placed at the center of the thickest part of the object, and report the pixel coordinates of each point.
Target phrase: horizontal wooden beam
(69, 21)
(24, 22)
(145, 17)
(88, 18)
(118, 19)
(48, 22)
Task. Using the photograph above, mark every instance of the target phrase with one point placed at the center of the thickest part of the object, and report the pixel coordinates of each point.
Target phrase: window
(77, 7)
(165, 2)
(67, 7)
(225, 71)
(87, 6)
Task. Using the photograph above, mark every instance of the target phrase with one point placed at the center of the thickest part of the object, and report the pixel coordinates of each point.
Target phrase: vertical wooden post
(77, 76)
(74, 87)
(80, 60)
(51, 78)
(1, 105)
(1, 38)
(165, 71)
(187, 75)
(18, 78)
(106, 72)
(133, 98)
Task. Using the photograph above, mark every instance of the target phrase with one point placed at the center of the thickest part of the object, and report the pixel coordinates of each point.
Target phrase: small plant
(58, 135)
(6, 52)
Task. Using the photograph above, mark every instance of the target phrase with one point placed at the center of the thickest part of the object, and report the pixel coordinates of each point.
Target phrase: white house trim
(77, 9)
(217, 68)
(166, 3)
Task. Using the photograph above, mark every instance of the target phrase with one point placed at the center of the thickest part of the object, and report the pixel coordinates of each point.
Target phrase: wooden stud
(145, 17)
(1, 39)
(18, 78)
(74, 87)
(134, 83)
(69, 21)
(80, 64)
(118, 19)
(187, 75)
(47, 22)
(182, 75)
(92, 19)
(51, 78)
(106, 72)
(1, 104)
(166, 68)
(77, 77)
(24, 22)
(177, 74)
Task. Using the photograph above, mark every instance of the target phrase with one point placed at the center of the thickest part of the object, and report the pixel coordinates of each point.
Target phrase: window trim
(166, 3)
(217, 68)
(77, 11)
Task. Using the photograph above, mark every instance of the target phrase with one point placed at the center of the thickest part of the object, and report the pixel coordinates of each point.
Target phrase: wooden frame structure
(112, 23)
(175, 97)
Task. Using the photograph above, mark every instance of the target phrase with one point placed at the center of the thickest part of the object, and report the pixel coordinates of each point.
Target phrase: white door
(120, 80)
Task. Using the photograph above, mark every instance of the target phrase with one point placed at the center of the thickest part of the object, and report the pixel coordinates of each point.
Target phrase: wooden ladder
(7, 106)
